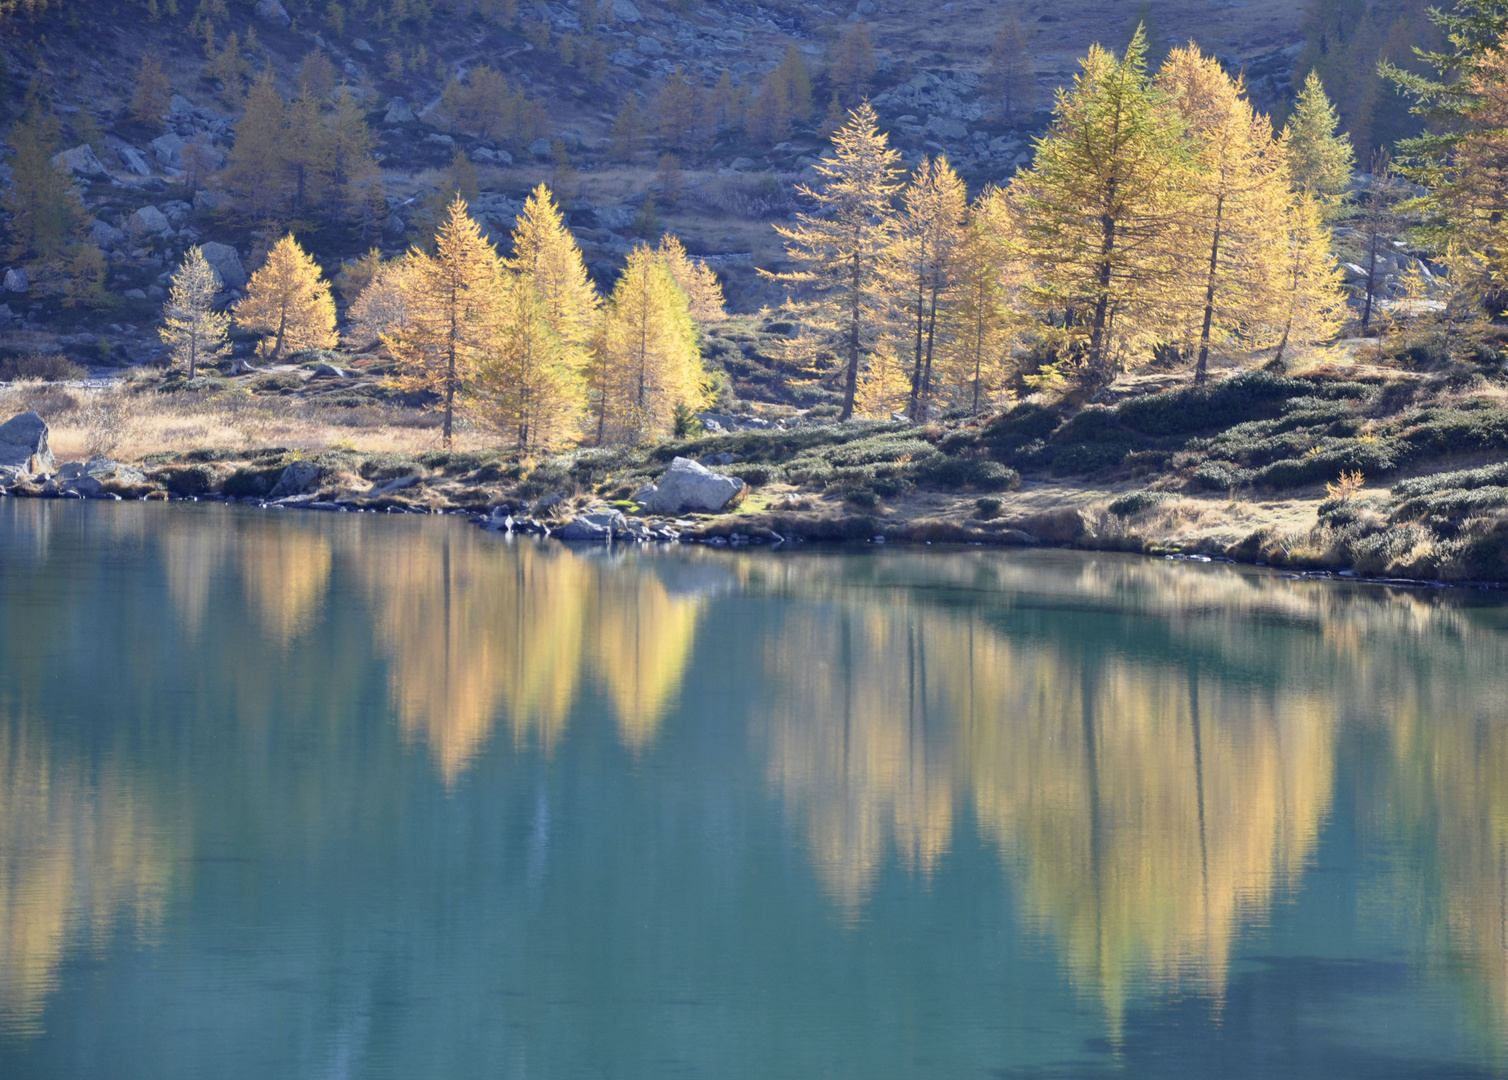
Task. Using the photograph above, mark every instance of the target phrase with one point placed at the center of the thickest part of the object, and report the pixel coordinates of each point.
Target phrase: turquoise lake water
(299, 795)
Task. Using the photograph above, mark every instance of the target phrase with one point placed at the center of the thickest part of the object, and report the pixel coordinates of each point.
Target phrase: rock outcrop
(23, 444)
(690, 486)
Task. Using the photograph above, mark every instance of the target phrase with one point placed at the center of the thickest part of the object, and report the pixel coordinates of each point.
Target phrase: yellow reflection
(286, 571)
(75, 858)
(642, 639)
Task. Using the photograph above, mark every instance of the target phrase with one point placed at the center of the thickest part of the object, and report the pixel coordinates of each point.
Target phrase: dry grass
(130, 420)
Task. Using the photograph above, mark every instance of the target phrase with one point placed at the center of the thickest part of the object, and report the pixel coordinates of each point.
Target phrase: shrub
(952, 473)
(46, 367)
(1252, 395)
(255, 482)
(277, 381)
(861, 496)
(189, 480)
(987, 507)
(756, 475)
(1219, 475)
(1137, 501)
(388, 466)
(547, 477)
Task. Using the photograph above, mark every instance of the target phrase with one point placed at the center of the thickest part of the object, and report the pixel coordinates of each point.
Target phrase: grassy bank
(1243, 469)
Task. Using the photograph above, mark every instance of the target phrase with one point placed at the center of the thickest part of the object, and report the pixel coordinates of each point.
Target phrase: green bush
(388, 466)
(254, 482)
(1252, 395)
(756, 475)
(1137, 501)
(987, 507)
(277, 382)
(949, 473)
(189, 480)
(547, 478)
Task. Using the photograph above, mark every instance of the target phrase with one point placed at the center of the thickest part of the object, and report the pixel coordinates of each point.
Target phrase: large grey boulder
(133, 161)
(226, 262)
(624, 11)
(23, 444)
(687, 486)
(168, 150)
(17, 281)
(273, 13)
(599, 526)
(296, 479)
(81, 161)
(104, 234)
(150, 221)
(398, 112)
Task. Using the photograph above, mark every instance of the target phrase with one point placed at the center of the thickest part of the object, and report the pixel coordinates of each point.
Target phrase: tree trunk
(851, 382)
(1366, 312)
(1201, 371)
(931, 337)
(913, 409)
(1102, 301)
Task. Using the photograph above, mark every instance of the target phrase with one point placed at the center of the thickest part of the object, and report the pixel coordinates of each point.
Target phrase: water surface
(303, 795)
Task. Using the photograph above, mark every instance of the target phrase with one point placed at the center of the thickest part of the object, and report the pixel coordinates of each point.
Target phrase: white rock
(226, 262)
(624, 11)
(168, 150)
(23, 444)
(398, 112)
(273, 13)
(17, 281)
(688, 485)
(81, 161)
(133, 160)
(149, 221)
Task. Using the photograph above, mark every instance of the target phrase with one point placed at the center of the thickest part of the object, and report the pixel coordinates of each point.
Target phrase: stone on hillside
(540, 148)
(226, 262)
(241, 367)
(17, 281)
(363, 45)
(178, 105)
(80, 161)
(650, 46)
(104, 468)
(149, 221)
(329, 371)
(273, 13)
(104, 234)
(624, 11)
(23, 444)
(945, 127)
(168, 150)
(296, 479)
(133, 161)
(688, 485)
(398, 112)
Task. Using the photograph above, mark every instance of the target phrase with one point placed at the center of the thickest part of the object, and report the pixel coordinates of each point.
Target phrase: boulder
(329, 371)
(540, 148)
(133, 161)
(149, 221)
(296, 479)
(17, 281)
(226, 262)
(104, 234)
(168, 150)
(241, 367)
(650, 46)
(104, 468)
(398, 112)
(273, 13)
(688, 485)
(10, 476)
(178, 105)
(625, 12)
(23, 444)
(87, 487)
(582, 529)
(81, 161)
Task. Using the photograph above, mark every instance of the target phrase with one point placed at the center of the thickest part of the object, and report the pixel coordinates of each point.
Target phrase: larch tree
(288, 303)
(1378, 224)
(988, 286)
(383, 305)
(305, 151)
(703, 291)
(453, 317)
(680, 112)
(1232, 222)
(254, 166)
(45, 210)
(784, 98)
(348, 153)
(924, 264)
(151, 94)
(1311, 301)
(1010, 78)
(529, 385)
(545, 252)
(1099, 202)
(1320, 157)
(840, 249)
(192, 328)
(851, 64)
(648, 362)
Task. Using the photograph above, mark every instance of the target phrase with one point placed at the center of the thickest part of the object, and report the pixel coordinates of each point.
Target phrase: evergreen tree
(1099, 204)
(728, 102)
(348, 152)
(680, 111)
(315, 75)
(530, 385)
(191, 328)
(1233, 217)
(989, 279)
(1320, 161)
(453, 315)
(1312, 306)
(383, 305)
(85, 282)
(840, 249)
(1377, 225)
(288, 303)
(784, 98)
(1010, 79)
(627, 132)
(254, 167)
(45, 210)
(545, 252)
(925, 267)
(703, 292)
(647, 358)
(306, 151)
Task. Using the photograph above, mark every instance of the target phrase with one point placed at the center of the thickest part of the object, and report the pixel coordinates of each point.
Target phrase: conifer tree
(627, 132)
(851, 64)
(45, 210)
(840, 249)
(1099, 203)
(85, 282)
(530, 385)
(306, 151)
(1311, 304)
(1233, 214)
(647, 358)
(315, 75)
(150, 95)
(348, 152)
(989, 279)
(703, 292)
(1320, 161)
(382, 307)
(1010, 79)
(925, 267)
(191, 328)
(728, 102)
(680, 112)
(254, 167)
(288, 303)
(545, 252)
(1377, 225)
(452, 315)
(784, 98)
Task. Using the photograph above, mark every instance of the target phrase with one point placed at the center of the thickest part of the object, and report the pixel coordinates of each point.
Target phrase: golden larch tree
(925, 267)
(383, 305)
(453, 315)
(545, 252)
(702, 289)
(1310, 300)
(983, 324)
(1320, 157)
(288, 303)
(647, 359)
(840, 249)
(529, 386)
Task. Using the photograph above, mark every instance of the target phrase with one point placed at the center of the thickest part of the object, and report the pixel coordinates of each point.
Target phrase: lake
(352, 795)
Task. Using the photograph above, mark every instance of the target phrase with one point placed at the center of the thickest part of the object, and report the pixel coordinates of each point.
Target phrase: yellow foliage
(288, 303)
